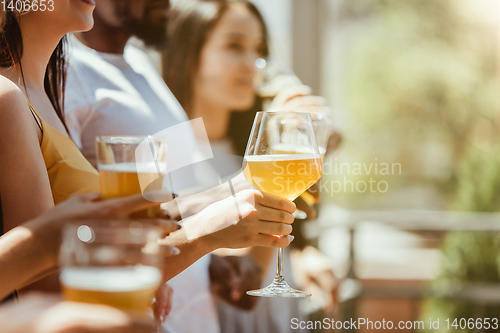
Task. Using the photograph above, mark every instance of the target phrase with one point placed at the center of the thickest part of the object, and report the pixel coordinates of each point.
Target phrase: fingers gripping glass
(282, 158)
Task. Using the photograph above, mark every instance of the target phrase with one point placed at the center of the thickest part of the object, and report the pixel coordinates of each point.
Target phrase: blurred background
(408, 213)
(414, 90)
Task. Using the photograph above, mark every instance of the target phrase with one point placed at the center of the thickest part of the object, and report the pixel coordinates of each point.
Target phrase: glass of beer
(322, 125)
(113, 263)
(282, 158)
(272, 77)
(130, 165)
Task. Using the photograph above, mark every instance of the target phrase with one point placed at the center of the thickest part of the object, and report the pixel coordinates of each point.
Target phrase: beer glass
(322, 128)
(322, 125)
(112, 263)
(272, 77)
(130, 165)
(282, 158)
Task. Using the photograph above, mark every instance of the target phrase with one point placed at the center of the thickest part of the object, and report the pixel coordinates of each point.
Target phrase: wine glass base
(279, 290)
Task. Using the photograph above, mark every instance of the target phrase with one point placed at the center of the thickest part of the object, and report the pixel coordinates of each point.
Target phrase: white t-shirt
(112, 94)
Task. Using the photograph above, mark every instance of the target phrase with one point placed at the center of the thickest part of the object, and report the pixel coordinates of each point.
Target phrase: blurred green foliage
(470, 257)
(420, 86)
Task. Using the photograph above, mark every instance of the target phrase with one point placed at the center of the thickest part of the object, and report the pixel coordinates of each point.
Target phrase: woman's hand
(30, 250)
(47, 314)
(314, 273)
(232, 276)
(163, 303)
(90, 206)
(249, 218)
(298, 99)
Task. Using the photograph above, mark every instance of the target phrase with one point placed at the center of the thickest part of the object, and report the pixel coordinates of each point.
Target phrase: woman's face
(64, 15)
(227, 60)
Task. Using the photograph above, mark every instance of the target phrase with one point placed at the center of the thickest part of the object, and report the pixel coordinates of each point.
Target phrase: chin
(88, 25)
(243, 105)
(83, 24)
(242, 100)
(82, 16)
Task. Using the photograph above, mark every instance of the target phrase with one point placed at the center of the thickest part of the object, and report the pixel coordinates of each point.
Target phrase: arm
(21, 258)
(47, 314)
(24, 184)
(32, 249)
(183, 207)
(263, 216)
(190, 251)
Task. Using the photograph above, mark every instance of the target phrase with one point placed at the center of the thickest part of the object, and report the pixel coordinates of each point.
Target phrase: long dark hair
(11, 52)
(191, 22)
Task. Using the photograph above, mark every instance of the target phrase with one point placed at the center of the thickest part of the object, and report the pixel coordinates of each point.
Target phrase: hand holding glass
(282, 158)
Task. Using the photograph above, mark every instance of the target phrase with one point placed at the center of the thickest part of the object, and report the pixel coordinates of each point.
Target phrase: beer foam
(280, 157)
(283, 148)
(146, 167)
(111, 279)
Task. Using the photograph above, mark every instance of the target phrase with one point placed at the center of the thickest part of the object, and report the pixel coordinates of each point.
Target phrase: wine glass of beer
(130, 165)
(114, 263)
(282, 158)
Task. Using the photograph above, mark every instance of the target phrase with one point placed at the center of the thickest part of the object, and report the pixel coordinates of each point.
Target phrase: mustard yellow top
(69, 172)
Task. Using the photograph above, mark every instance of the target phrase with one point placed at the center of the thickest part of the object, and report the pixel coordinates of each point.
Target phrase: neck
(104, 38)
(215, 117)
(38, 46)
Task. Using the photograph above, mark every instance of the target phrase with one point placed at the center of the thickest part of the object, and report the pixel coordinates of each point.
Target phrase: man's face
(144, 19)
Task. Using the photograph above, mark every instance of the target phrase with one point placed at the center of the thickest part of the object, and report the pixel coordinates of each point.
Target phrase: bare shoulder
(8, 88)
(14, 110)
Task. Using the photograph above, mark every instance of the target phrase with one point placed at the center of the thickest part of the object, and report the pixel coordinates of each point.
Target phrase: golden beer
(292, 149)
(124, 179)
(286, 175)
(127, 288)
